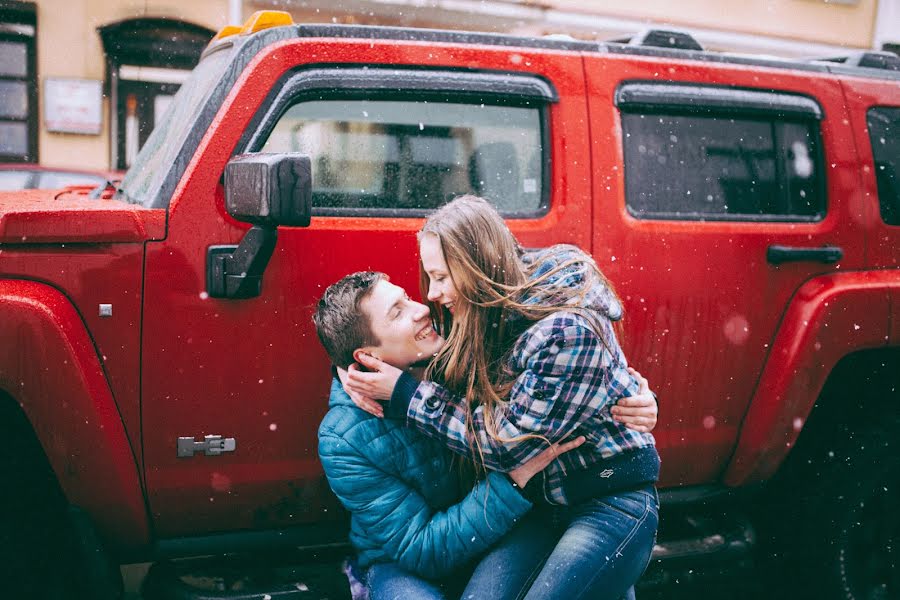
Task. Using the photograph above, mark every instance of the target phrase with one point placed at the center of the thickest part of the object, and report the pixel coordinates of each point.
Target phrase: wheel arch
(832, 321)
(50, 368)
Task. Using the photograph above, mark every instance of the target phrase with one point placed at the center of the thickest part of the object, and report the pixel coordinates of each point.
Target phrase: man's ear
(364, 350)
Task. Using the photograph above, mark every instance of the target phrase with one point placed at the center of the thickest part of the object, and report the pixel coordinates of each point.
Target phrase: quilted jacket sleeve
(419, 538)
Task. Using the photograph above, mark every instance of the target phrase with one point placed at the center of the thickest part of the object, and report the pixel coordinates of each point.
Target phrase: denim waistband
(618, 473)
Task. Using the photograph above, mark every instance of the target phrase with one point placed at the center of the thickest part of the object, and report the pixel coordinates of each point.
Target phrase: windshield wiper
(97, 192)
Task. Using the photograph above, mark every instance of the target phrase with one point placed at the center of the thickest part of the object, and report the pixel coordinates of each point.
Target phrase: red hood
(54, 216)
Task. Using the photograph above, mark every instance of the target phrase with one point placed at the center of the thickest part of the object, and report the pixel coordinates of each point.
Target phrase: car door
(394, 130)
(718, 190)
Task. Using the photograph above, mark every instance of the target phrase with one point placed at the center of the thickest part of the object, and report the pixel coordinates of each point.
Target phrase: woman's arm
(567, 375)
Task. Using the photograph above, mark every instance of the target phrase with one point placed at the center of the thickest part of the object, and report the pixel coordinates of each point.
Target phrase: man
(416, 525)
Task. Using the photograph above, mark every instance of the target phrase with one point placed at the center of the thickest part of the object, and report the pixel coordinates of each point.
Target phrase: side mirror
(266, 190)
(269, 189)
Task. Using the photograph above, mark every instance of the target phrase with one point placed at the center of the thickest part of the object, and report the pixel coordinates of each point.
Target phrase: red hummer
(161, 383)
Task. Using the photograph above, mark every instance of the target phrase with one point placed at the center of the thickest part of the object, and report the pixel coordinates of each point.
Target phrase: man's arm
(419, 538)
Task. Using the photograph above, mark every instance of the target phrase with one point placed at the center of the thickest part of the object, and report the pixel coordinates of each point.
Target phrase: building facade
(83, 82)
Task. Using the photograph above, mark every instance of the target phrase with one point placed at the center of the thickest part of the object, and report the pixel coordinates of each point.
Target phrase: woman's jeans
(504, 573)
(595, 550)
(592, 551)
(492, 580)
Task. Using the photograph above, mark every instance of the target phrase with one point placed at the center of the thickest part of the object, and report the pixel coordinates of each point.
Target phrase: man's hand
(522, 475)
(637, 412)
(375, 384)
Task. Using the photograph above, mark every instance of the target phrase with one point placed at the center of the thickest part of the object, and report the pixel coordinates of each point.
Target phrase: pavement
(734, 587)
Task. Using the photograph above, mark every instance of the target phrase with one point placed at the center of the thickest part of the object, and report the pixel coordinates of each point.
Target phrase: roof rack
(662, 38)
(871, 59)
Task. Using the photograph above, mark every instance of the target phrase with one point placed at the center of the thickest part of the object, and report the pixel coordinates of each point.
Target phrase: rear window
(14, 180)
(733, 158)
(52, 180)
(884, 134)
(411, 156)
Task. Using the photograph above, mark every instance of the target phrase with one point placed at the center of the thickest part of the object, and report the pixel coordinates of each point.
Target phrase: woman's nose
(433, 293)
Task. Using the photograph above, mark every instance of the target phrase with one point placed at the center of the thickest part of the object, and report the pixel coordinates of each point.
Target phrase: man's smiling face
(401, 325)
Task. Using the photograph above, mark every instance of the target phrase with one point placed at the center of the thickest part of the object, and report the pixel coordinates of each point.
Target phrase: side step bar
(693, 548)
(694, 544)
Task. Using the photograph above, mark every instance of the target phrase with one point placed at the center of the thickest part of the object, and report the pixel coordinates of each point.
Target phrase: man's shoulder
(349, 421)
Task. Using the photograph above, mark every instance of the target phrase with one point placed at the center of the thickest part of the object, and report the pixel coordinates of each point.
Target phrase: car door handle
(782, 254)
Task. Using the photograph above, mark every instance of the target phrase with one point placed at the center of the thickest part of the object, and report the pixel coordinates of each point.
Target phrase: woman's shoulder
(558, 329)
(542, 260)
(566, 276)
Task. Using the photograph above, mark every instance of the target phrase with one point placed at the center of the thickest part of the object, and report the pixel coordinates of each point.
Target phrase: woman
(531, 358)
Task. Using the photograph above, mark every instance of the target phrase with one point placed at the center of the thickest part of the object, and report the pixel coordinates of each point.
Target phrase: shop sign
(73, 105)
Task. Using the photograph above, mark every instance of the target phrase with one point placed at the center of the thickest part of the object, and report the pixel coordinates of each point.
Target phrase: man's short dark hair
(340, 322)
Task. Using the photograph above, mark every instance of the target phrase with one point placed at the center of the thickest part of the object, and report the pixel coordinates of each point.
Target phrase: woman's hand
(637, 412)
(522, 475)
(367, 404)
(377, 383)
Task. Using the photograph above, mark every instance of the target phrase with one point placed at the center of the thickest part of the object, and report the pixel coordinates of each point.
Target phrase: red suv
(170, 387)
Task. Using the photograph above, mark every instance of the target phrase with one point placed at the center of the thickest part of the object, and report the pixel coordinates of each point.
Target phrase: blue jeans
(508, 569)
(595, 550)
(503, 574)
(389, 581)
(604, 549)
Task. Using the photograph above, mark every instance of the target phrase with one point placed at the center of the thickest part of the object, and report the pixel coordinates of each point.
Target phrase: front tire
(837, 526)
(37, 550)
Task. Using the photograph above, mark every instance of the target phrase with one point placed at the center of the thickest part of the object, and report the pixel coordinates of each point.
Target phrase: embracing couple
(493, 444)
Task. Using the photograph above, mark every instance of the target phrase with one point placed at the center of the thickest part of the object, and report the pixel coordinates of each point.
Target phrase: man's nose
(421, 312)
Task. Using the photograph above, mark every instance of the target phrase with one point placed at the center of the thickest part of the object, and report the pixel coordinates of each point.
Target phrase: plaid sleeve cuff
(402, 395)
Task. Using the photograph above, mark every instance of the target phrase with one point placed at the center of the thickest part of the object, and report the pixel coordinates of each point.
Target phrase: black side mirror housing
(266, 190)
(269, 189)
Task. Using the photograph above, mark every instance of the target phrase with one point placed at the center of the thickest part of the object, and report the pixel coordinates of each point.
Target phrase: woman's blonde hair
(497, 293)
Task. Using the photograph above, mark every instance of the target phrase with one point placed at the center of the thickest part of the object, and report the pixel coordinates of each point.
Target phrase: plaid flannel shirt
(567, 381)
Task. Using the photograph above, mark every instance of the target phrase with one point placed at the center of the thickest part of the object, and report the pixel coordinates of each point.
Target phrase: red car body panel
(52, 368)
(702, 302)
(273, 411)
(45, 217)
(830, 317)
(738, 349)
(883, 239)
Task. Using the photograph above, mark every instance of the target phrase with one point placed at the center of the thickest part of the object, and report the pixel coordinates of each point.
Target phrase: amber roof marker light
(261, 19)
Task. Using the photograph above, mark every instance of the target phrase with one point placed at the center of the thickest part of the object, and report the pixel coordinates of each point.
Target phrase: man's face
(402, 325)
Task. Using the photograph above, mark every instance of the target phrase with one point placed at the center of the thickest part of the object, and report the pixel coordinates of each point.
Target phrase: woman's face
(440, 285)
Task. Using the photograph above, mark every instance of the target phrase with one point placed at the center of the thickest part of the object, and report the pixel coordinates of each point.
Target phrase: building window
(18, 83)
(147, 60)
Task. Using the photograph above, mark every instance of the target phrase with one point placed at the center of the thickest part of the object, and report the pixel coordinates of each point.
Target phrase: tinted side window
(722, 167)
(884, 133)
(393, 154)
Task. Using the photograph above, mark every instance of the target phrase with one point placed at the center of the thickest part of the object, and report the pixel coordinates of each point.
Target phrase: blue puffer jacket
(403, 493)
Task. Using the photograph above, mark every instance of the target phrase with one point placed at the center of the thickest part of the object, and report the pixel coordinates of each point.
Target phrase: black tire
(37, 551)
(836, 526)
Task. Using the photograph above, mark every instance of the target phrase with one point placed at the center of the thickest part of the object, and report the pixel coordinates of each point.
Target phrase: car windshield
(144, 180)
